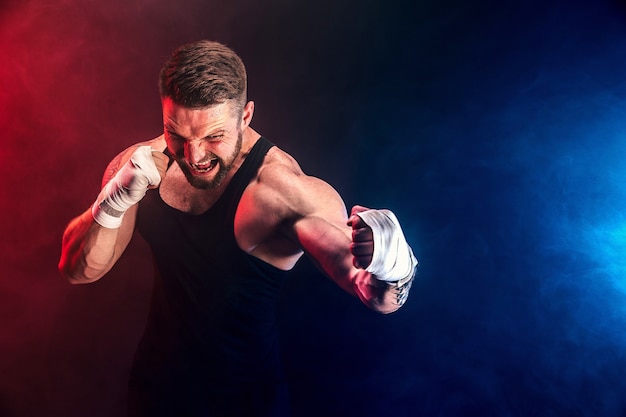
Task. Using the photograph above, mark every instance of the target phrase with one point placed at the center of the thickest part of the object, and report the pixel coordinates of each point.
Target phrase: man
(226, 214)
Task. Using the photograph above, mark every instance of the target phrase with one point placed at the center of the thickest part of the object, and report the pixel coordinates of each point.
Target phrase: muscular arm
(89, 250)
(317, 220)
(327, 239)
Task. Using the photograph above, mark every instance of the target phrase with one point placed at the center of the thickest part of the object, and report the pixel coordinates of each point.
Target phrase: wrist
(392, 259)
(105, 215)
(399, 290)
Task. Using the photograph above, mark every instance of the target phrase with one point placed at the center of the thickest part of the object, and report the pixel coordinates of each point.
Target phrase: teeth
(204, 166)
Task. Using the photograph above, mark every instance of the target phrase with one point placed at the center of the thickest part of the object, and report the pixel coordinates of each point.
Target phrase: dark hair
(203, 74)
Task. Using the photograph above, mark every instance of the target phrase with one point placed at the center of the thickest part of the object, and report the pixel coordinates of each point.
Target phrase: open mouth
(205, 167)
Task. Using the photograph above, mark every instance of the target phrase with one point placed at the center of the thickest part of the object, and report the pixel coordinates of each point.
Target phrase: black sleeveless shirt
(212, 322)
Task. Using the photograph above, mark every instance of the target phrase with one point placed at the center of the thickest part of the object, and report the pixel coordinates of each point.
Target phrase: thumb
(358, 209)
(354, 219)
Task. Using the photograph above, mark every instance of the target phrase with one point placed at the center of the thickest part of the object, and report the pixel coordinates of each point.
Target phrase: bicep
(325, 242)
(323, 234)
(310, 213)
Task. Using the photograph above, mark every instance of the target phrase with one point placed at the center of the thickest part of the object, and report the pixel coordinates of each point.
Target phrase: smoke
(510, 170)
(494, 131)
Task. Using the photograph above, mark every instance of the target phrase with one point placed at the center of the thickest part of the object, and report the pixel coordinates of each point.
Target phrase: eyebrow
(216, 133)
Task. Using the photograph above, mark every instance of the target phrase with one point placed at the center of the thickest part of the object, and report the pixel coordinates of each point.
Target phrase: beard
(223, 167)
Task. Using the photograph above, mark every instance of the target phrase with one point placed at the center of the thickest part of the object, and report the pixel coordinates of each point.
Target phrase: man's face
(204, 142)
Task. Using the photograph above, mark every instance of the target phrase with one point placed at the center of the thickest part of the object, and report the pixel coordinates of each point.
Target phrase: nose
(194, 152)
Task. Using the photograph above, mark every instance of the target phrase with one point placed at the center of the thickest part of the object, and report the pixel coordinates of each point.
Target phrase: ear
(248, 112)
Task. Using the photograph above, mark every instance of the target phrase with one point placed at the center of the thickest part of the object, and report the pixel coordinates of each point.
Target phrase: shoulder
(279, 165)
(282, 183)
(283, 209)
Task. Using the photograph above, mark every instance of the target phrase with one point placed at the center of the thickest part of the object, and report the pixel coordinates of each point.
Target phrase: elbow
(73, 274)
(79, 262)
(76, 278)
(79, 279)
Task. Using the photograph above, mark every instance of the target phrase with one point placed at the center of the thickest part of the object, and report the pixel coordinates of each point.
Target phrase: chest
(257, 223)
(251, 223)
(177, 193)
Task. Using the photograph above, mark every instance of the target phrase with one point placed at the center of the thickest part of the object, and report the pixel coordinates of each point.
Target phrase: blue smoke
(505, 155)
(495, 130)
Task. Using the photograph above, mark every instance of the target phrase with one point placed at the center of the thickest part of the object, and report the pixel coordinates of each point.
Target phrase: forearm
(381, 296)
(95, 240)
(329, 247)
(88, 250)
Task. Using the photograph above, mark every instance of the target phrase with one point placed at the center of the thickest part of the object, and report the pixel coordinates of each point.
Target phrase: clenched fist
(362, 246)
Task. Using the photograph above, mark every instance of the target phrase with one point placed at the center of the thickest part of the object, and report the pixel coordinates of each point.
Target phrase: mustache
(180, 159)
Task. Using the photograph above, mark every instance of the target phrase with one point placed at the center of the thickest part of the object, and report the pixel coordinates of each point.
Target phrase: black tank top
(212, 319)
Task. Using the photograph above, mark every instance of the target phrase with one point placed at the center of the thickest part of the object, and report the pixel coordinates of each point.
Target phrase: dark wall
(494, 130)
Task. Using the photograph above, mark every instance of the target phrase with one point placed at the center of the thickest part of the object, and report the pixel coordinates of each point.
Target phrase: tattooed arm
(95, 240)
(311, 214)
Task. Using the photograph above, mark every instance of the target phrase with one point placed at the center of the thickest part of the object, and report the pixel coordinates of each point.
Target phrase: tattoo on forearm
(114, 166)
(401, 289)
(104, 205)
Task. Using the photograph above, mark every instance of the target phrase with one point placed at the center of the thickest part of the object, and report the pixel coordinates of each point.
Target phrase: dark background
(495, 131)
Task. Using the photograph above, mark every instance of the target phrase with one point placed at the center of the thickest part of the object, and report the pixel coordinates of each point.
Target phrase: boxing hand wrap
(126, 188)
(393, 260)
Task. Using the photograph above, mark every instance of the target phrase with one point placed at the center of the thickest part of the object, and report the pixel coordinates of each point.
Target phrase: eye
(175, 143)
(173, 137)
(215, 138)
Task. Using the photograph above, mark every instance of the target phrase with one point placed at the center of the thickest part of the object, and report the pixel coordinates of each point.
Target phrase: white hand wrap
(126, 188)
(393, 259)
